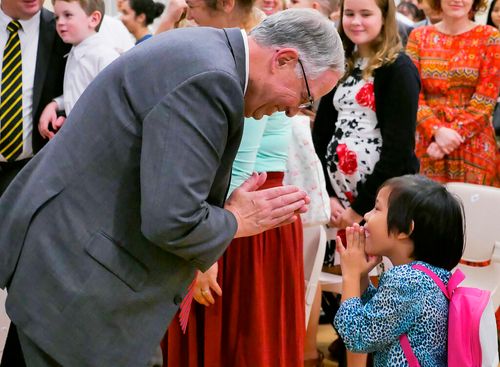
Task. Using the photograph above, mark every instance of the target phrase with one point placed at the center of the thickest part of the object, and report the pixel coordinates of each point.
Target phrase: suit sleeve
(397, 104)
(184, 139)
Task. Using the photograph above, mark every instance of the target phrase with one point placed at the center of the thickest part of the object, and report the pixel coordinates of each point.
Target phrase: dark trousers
(9, 170)
(12, 352)
(21, 351)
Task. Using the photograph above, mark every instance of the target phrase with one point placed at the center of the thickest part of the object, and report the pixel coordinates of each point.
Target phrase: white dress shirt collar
(247, 59)
(82, 48)
(28, 25)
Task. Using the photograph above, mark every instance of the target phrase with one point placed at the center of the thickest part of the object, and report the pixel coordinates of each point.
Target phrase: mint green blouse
(263, 148)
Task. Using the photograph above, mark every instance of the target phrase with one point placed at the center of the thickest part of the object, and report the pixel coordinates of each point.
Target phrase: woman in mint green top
(263, 147)
(259, 276)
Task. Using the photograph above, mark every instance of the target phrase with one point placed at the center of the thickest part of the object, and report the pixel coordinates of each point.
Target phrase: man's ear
(286, 57)
(226, 6)
(315, 5)
(95, 18)
(403, 236)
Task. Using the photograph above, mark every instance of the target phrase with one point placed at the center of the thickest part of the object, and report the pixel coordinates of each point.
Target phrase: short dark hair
(477, 5)
(149, 8)
(438, 234)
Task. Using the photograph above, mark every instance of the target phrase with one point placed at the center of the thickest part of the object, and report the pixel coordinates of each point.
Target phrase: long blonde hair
(385, 47)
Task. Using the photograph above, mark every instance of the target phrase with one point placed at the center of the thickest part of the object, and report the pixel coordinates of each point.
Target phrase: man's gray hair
(310, 33)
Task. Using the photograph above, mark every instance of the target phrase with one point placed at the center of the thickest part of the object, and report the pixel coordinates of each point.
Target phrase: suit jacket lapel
(45, 42)
(235, 40)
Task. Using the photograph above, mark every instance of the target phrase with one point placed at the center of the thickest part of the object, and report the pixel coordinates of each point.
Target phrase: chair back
(482, 219)
(314, 253)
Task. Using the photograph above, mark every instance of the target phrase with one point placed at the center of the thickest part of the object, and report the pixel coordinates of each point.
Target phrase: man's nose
(292, 111)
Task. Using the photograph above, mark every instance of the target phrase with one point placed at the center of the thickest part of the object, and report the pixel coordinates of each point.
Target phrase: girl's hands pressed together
(354, 261)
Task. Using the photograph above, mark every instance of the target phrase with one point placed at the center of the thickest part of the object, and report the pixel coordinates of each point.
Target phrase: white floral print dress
(356, 143)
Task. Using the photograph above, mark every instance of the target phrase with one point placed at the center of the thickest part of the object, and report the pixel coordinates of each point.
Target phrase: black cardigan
(396, 89)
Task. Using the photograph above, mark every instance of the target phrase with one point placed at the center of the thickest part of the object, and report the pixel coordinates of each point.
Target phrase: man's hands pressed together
(258, 211)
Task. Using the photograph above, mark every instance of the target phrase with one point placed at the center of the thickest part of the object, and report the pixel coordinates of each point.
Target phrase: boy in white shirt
(77, 23)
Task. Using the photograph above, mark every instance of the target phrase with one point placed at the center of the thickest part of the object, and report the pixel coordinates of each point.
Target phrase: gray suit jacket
(102, 231)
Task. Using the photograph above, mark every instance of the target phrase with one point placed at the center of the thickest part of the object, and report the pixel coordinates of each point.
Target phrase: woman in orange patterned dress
(459, 64)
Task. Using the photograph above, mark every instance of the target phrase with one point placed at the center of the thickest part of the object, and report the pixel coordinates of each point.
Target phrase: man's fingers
(281, 191)
(208, 296)
(287, 210)
(198, 297)
(215, 286)
(287, 199)
(255, 181)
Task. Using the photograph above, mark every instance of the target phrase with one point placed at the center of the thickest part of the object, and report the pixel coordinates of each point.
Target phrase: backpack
(472, 333)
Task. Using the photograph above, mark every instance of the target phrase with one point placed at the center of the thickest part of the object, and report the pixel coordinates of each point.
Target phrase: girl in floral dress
(364, 132)
(459, 64)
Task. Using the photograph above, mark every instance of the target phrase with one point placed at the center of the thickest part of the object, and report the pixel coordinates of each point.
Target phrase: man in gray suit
(102, 231)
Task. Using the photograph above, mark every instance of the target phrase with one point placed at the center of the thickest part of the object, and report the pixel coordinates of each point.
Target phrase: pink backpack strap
(436, 279)
(410, 356)
(455, 280)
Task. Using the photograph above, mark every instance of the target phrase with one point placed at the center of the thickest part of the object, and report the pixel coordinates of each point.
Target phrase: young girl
(364, 132)
(414, 221)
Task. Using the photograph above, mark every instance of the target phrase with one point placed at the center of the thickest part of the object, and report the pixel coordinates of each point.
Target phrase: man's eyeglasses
(310, 100)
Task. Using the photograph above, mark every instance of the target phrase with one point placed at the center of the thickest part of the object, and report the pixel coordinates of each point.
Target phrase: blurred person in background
(271, 6)
(432, 16)
(409, 10)
(325, 7)
(137, 15)
(459, 65)
(493, 18)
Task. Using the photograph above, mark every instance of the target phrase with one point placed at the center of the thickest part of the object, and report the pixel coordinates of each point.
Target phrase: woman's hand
(173, 14)
(434, 151)
(448, 139)
(336, 210)
(348, 218)
(204, 282)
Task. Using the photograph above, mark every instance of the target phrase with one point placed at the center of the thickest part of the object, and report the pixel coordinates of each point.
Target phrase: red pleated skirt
(259, 321)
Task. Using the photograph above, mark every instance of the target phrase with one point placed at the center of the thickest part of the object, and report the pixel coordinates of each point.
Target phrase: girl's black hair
(149, 8)
(438, 233)
(489, 20)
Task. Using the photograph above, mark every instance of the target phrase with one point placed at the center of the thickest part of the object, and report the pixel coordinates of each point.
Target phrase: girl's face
(456, 9)
(378, 240)
(362, 22)
(495, 14)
